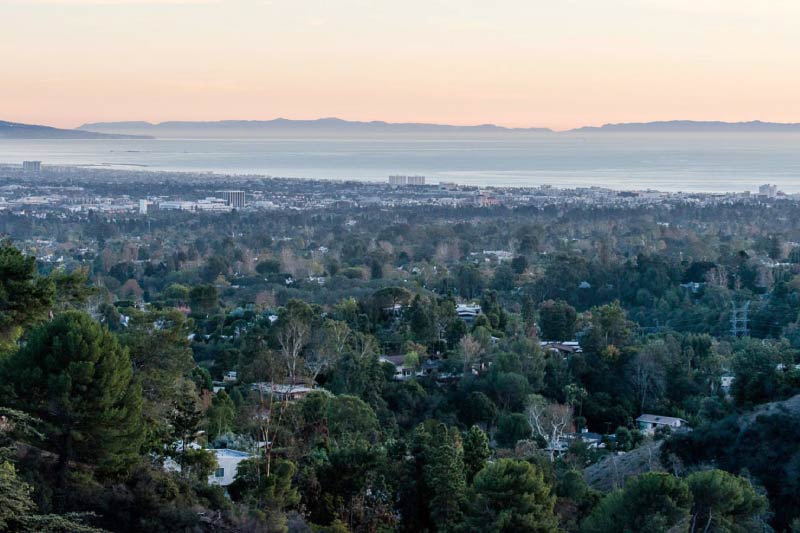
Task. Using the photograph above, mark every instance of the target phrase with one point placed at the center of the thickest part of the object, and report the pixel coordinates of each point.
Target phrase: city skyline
(522, 64)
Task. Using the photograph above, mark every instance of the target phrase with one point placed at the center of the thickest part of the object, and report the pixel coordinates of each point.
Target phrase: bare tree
(647, 373)
(292, 337)
(470, 350)
(550, 421)
(329, 346)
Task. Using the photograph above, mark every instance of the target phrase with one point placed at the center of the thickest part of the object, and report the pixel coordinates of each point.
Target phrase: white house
(649, 423)
(401, 371)
(468, 313)
(227, 465)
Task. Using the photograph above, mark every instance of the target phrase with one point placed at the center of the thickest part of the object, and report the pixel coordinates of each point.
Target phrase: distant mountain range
(14, 130)
(692, 126)
(335, 126)
(286, 127)
(327, 127)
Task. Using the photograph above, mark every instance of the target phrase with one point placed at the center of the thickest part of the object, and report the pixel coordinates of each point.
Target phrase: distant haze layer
(708, 162)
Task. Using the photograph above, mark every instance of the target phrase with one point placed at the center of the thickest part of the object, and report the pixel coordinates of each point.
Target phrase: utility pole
(739, 319)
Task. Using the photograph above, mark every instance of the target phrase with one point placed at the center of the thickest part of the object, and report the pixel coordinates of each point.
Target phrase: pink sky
(556, 63)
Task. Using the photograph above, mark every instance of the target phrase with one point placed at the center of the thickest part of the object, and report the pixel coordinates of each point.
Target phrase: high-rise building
(235, 199)
(32, 167)
(143, 206)
(770, 191)
(406, 180)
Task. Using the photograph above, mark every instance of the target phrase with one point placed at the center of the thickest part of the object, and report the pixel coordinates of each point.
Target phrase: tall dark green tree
(25, 297)
(557, 320)
(476, 451)
(656, 502)
(512, 497)
(75, 376)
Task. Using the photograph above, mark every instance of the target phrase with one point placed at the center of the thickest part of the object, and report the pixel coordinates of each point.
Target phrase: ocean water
(667, 162)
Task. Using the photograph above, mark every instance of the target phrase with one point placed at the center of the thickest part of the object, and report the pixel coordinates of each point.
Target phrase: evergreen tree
(75, 376)
(476, 451)
(24, 296)
(654, 502)
(512, 497)
(445, 477)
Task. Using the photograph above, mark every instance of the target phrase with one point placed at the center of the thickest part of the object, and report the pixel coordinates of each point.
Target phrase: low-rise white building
(227, 465)
(649, 423)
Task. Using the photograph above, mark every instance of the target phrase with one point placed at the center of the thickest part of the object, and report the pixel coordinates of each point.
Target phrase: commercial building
(768, 190)
(235, 199)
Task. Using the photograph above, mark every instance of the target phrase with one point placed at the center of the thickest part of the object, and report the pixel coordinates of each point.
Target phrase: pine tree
(476, 451)
(74, 375)
(512, 496)
(24, 296)
(445, 477)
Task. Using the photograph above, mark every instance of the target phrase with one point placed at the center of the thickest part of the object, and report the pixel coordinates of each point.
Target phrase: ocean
(672, 162)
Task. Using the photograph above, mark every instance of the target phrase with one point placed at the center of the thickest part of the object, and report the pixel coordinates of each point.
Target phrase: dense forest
(408, 369)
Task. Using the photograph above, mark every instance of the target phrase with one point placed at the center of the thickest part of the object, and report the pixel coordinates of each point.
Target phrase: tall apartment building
(33, 167)
(235, 199)
(406, 180)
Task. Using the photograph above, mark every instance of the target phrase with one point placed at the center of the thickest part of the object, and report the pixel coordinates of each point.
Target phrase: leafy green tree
(754, 365)
(511, 496)
(654, 502)
(557, 320)
(72, 289)
(204, 299)
(221, 414)
(469, 281)
(503, 279)
(512, 428)
(477, 408)
(15, 498)
(519, 264)
(25, 297)
(268, 266)
(161, 356)
(271, 495)
(725, 503)
(75, 376)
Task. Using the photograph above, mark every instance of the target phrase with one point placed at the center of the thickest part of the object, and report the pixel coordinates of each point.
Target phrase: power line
(739, 319)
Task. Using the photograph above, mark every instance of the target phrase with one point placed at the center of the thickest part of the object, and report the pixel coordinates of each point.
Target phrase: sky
(553, 63)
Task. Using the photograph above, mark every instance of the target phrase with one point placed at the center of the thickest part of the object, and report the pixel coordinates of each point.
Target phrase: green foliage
(765, 447)
(15, 498)
(161, 356)
(653, 502)
(512, 496)
(476, 451)
(725, 503)
(271, 495)
(221, 414)
(204, 299)
(25, 297)
(74, 375)
(512, 428)
(557, 320)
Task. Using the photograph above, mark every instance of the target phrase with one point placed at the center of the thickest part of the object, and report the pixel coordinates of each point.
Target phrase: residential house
(227, 465)
(649, 423)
